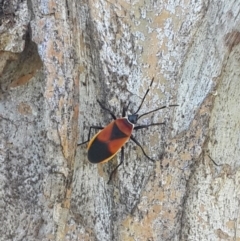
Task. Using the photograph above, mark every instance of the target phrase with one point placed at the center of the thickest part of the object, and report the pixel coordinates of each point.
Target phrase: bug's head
(133, 118)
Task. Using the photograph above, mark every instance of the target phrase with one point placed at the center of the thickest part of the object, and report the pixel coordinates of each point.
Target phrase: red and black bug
(111, 139)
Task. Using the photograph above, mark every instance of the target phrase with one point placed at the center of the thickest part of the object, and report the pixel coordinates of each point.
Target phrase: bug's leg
(89, 133)
(146, 126)
(115, 169)
(105, 108)
(138, 144)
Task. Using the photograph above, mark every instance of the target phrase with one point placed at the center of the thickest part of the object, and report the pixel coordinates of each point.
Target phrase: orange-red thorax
(123, 125)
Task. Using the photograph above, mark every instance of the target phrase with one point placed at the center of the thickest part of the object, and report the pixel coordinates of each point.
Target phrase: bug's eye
(133, 118)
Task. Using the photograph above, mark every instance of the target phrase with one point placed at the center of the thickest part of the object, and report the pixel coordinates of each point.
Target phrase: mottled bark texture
(58, 57)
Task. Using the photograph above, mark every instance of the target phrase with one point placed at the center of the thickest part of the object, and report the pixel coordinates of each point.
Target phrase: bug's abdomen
(106, 144)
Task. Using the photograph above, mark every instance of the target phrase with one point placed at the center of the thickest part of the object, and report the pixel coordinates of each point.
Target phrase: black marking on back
(117, 133)
(98, 151)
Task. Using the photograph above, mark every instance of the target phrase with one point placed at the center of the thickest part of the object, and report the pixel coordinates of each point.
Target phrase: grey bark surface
(57, 58)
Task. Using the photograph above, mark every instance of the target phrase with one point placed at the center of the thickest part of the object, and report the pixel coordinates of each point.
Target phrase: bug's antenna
(163, 107)
(144, 97)
(125, 110)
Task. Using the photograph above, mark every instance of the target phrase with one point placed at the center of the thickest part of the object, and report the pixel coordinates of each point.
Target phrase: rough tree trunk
(58, 57)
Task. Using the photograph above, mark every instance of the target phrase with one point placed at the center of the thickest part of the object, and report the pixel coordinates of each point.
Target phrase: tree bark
(57, 58)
